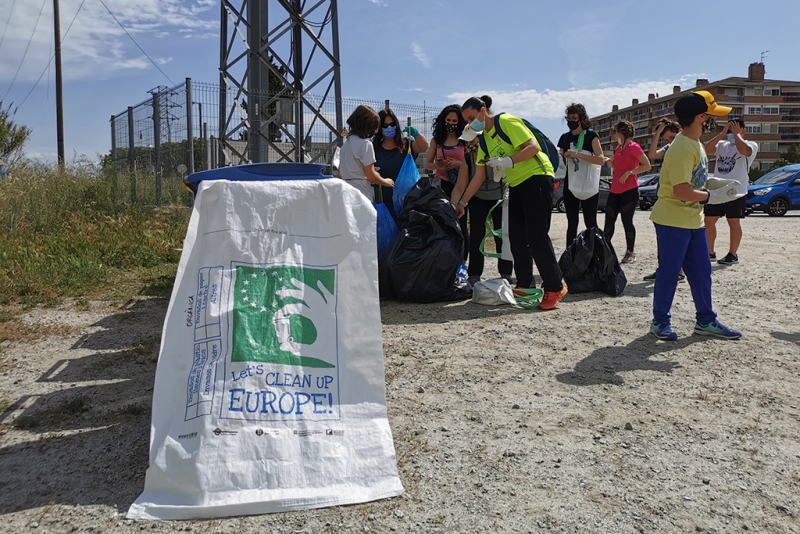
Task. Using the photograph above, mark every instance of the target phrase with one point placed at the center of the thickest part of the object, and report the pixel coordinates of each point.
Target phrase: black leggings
(573, 206)
(448, 187)
(623, 204)
(478, 211)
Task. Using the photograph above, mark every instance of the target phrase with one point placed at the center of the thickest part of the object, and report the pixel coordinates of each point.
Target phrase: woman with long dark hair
(529, 175)
(446, 154)
(578, 123)
(391, 148)
(628, 162)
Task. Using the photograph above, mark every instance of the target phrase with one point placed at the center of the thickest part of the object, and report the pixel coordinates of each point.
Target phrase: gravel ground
(504, 420)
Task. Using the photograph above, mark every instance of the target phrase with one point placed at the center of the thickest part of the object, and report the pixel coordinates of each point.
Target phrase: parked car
(558, 194)
(648, 191)
(776, 192)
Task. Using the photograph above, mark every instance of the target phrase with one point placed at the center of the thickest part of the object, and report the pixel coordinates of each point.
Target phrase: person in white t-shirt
(735, 154)
(357, 156)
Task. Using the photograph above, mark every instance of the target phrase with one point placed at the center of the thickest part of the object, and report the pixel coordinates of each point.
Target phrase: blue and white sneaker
(716, 329)
(663, 331)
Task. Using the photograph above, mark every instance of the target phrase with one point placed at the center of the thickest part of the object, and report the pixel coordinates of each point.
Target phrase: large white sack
(269, 392)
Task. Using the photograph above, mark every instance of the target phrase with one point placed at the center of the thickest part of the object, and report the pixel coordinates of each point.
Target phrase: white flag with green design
(270, 392)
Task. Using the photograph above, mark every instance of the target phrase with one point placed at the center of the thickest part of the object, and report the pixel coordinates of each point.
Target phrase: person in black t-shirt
(578, 121)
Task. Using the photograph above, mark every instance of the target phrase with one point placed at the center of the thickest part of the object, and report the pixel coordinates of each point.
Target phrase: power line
(26, 50)
(7, 21)
(47, 68)
(137, 44)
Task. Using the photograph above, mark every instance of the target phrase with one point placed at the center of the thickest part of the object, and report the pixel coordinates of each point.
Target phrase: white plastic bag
(584, 177)
(270, 388)
(493, 293)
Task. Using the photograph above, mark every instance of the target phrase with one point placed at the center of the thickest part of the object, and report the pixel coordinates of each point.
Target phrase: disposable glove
(718, 183)
(411, 132)
(724, 194)
(501, 164)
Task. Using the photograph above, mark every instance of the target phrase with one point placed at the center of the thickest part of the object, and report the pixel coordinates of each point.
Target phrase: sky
(532, 57)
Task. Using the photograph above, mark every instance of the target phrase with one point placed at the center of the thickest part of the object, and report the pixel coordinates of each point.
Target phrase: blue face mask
(731, 138)
(477, 125)
(389, 132)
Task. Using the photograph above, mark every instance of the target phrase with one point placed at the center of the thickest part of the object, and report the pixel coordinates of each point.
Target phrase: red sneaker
(552, 298)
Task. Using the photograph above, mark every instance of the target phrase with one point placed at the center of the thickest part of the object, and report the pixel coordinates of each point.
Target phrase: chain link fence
(151, 140)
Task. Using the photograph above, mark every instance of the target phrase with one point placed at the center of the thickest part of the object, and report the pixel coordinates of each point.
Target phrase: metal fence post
(157, 143)
(189, 125)
(131, 154)
(114, 157)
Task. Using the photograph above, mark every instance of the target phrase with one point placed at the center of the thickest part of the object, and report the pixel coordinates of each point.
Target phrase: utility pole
(59, 92)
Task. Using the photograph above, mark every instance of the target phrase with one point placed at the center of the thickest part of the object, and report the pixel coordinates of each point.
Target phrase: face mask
(389, 132)
(450, 127)
(477, 125)
(731, 138)
(573, 125)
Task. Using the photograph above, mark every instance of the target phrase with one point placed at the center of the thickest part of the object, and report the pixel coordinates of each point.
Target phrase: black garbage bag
(422, 265)
(590, 264)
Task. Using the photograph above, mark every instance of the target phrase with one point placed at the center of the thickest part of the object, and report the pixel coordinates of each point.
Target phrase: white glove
(724, 194)
(501, 164)
(498, 174)
(718, 183)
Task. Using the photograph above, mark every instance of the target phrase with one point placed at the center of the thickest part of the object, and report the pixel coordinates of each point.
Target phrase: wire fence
(151, 140)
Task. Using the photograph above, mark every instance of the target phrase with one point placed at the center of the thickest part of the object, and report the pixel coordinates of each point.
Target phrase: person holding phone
(734, 154)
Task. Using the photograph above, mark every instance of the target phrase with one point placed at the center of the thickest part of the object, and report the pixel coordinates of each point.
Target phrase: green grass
(71, 234)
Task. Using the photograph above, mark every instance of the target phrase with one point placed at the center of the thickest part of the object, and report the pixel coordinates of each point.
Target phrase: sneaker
(729, 259)
(712, 256)
(473, 280)
(716, 329)
(629, 257)
(681, 278)
(651, 277)
(552, 298)
(663, 331)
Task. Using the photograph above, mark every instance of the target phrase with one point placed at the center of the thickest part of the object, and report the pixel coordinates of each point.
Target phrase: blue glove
(411, 132)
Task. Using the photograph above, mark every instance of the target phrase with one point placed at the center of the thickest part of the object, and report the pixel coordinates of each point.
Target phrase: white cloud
(551, 103)
(383, 3)
(95, 42)
(420, 54)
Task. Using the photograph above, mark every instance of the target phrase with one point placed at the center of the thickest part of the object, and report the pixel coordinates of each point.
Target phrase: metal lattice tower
(274, 54)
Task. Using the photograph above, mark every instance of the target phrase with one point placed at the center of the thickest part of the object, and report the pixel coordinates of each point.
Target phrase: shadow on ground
(791, 338)
(604, 365)
(90, 443)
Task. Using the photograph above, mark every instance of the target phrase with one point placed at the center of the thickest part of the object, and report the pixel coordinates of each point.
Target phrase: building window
(769, 128)
(772, 91)
(765, 165)
(769, 147)
(754, 129)
(771, 110)
(753, 110)
(754, 91)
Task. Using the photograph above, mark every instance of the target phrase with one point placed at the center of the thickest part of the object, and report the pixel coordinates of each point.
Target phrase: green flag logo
(285, 315)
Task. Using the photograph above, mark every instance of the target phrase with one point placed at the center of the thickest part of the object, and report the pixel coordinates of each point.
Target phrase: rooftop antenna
(763, 55)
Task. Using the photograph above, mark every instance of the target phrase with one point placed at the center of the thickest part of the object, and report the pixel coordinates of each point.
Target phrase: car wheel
(778, 207)
(560, 206)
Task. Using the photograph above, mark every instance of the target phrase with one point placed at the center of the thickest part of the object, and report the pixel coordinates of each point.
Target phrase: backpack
(544, 142)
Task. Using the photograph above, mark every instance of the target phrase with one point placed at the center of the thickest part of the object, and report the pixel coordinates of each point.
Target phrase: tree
(12, 137)
(782, 162)
(793, 154)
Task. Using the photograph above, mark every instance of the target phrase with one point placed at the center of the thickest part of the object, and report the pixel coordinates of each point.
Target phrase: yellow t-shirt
(518, 133)
(684, 162)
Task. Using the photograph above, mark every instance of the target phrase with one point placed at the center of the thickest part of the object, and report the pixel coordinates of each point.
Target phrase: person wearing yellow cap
(684, 189)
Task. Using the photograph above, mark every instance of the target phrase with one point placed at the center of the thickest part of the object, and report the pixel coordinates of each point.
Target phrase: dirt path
(568, 421)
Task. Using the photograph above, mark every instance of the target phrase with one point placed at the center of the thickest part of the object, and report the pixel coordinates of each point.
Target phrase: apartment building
(770, 109)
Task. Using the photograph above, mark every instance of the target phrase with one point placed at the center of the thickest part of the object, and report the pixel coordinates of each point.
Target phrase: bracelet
(704, 202)
(462, 203)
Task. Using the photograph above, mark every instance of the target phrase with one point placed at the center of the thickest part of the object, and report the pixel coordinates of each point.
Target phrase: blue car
(776, 192)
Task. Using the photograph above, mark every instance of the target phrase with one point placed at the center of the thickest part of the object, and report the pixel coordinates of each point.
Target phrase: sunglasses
(391, 124)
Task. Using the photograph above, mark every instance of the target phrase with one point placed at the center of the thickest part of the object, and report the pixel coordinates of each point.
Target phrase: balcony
(660, 112)
(637, 118)
(735, 99)
(791, 98)
(640, 132)
(790, 137)
(790, 118)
